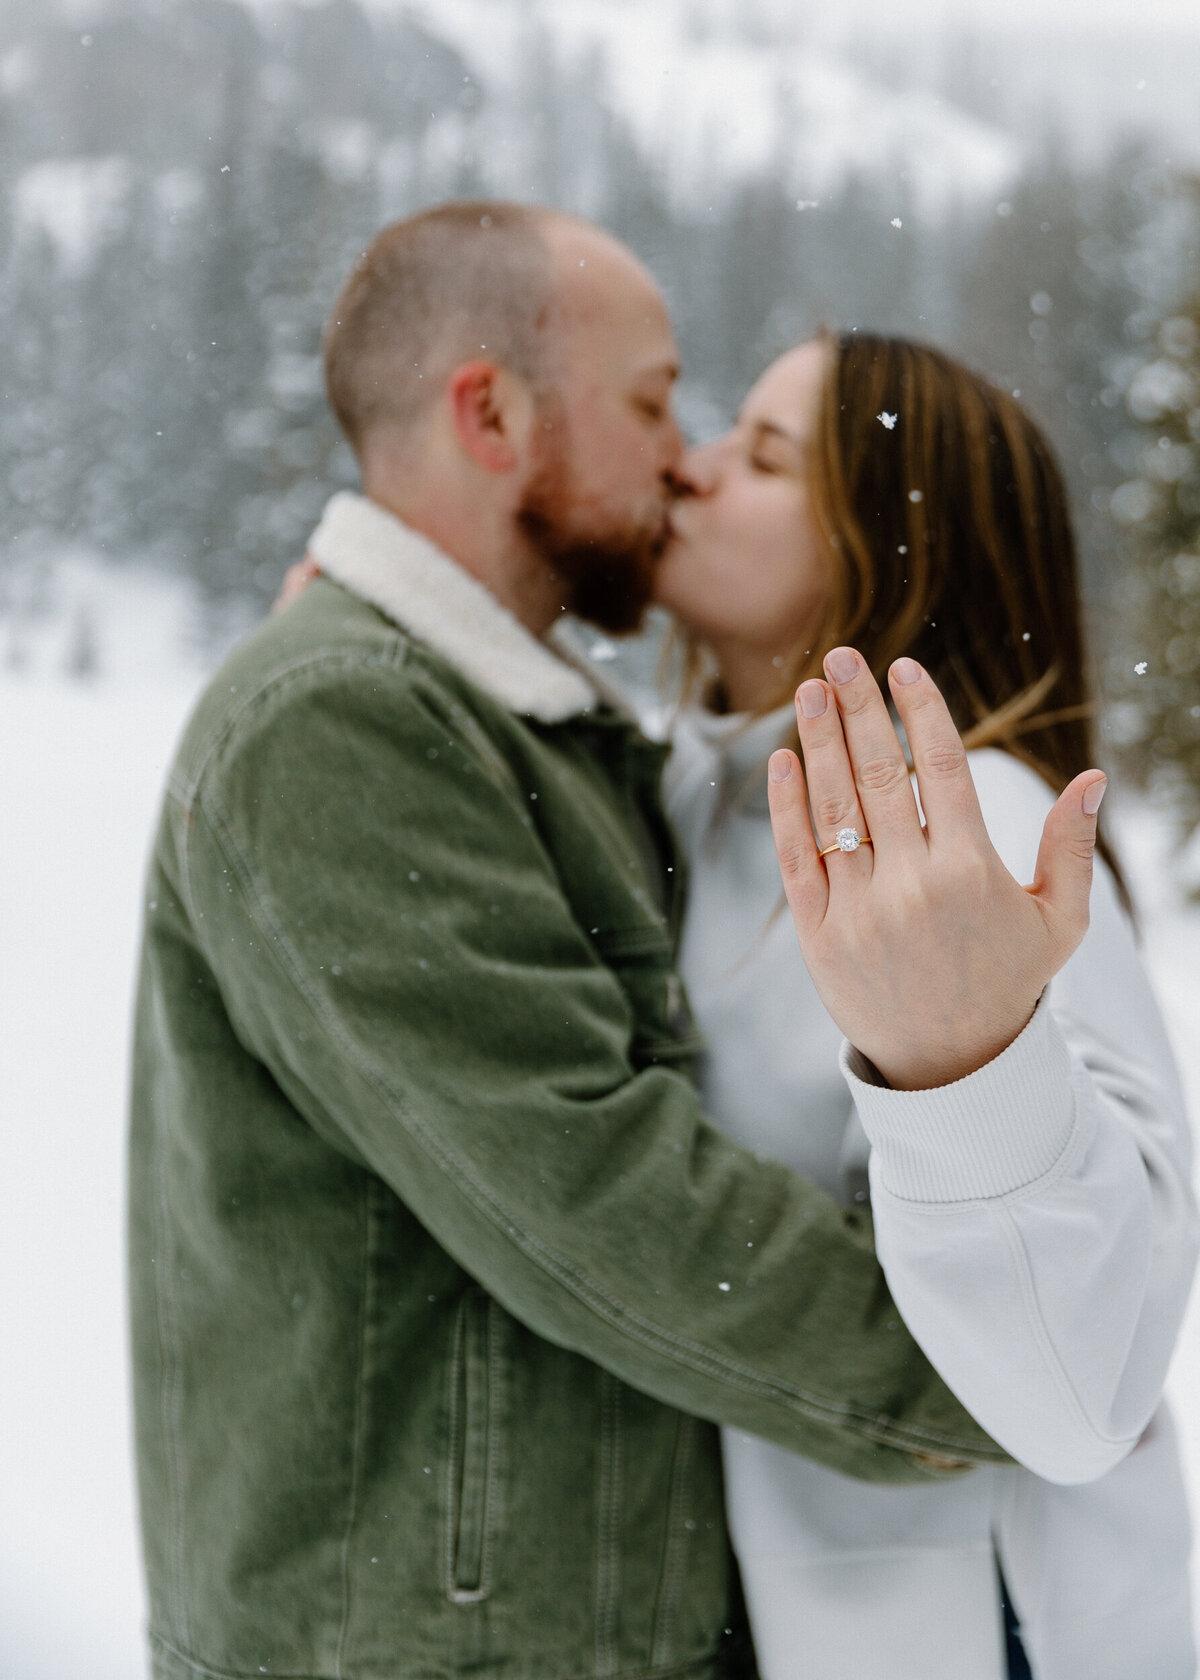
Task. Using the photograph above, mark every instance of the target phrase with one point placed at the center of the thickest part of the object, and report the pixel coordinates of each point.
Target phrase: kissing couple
(591, 1219)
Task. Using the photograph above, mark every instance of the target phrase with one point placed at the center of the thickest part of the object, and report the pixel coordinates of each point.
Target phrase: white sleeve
(1036, 1220)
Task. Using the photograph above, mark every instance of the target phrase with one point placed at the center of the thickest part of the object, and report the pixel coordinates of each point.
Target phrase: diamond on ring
(847, 840)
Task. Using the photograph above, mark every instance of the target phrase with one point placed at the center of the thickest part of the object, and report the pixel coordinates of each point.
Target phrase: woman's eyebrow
(769, 428)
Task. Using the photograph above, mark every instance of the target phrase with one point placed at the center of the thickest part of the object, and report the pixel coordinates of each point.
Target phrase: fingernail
(906, 670)
(1092, 795)
(812, 699)
(780, 766)
(842, 665)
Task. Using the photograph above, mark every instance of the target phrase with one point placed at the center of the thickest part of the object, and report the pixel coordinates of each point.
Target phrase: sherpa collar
(369, 551)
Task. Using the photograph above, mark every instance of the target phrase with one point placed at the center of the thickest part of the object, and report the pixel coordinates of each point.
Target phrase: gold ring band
(847, 840)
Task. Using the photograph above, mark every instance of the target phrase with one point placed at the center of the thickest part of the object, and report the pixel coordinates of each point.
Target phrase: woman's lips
(671, 531)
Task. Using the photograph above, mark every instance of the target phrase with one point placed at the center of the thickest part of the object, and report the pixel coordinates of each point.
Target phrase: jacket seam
(356, 1448)
(495, 1419)
(185, 789)
(663, 1632)
(617, 1316)
(470, 727)
(676, 1671)
(198, 1667)
(453, 1496)
(608, 1545)
(170, 1387)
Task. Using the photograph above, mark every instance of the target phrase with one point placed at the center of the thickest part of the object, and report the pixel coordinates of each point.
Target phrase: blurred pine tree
(1159, 507)
(223, 161)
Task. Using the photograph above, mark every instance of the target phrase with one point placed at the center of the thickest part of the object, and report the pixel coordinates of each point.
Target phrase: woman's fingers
(804, 880)
(878, 770)
(830, 776)
(1062, 883)
(939, 758)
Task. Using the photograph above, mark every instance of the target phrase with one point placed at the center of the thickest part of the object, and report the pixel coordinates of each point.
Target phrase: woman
(875, 492)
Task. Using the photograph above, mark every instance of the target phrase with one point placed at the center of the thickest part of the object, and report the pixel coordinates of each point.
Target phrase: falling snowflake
(1141, 668)
(724, 1287)
(887, 420)
(807, 203)
(896, 222)
(916, 495)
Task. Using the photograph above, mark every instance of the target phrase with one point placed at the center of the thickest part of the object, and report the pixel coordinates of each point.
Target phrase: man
(437, 1265)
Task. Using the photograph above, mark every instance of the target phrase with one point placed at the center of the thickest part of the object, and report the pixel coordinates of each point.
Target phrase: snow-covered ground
(81, 763)
(79, 768)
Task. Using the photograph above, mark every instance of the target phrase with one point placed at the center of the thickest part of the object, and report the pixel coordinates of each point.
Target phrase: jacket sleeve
(392, 940)
(1036, 1221)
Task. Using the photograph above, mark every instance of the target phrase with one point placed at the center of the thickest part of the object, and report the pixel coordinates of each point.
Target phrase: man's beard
(608, 573)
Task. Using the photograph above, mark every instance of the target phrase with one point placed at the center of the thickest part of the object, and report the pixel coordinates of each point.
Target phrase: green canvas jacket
(440, 1277)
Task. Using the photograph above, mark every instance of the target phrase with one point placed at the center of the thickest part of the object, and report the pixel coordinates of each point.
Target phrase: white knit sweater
(1040, 1251)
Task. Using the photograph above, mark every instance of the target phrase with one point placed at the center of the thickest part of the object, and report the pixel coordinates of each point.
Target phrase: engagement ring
(847, 840)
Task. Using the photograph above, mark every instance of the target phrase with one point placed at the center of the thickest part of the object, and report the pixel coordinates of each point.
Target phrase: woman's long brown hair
(950, 540)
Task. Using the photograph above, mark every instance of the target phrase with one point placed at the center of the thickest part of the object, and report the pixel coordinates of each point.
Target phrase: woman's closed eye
(764, 463)
(775, 456)
(772, 450)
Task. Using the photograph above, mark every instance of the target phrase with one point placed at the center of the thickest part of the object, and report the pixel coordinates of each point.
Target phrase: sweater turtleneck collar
(719, 766)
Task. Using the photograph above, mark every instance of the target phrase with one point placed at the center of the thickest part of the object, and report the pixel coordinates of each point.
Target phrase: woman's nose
(700, 469)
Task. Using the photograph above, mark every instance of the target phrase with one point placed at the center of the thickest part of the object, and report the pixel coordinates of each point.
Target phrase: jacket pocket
(474, 1448)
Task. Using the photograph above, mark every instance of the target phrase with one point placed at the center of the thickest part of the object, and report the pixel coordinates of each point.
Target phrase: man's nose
(673, 451)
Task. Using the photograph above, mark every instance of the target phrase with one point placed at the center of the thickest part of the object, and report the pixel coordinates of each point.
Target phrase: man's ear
(492, 414)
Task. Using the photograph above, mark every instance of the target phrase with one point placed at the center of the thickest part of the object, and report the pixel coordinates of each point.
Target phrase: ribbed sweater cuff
(997, 1130)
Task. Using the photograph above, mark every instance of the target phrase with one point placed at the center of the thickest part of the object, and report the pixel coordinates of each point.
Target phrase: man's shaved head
(441, 288)
(461, 280)
(462, 290)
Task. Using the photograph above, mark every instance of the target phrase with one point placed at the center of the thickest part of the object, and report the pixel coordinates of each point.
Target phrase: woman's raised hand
(927, 953)
(295, 581)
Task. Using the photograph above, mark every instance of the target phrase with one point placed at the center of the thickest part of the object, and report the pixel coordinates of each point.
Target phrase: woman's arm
(1048, 1295)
